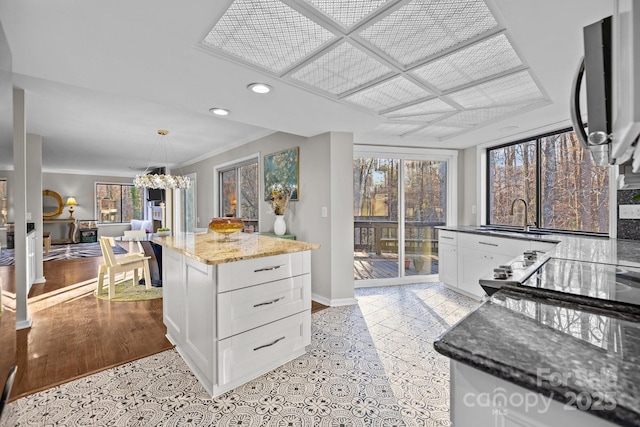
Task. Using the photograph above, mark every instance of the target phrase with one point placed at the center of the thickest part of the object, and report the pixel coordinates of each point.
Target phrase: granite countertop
(604, 286)
(210, 248)
(579, 248)
(533, 342)
(578, 314)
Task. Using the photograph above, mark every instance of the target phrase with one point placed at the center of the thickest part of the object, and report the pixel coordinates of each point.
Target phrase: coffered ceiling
(101, 78)
(432, 67)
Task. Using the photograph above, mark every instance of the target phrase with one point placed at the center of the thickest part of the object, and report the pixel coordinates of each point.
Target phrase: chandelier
(161, 181)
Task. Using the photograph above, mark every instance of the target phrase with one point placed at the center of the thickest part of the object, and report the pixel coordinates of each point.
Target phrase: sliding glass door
(398, 202)
(425, 207)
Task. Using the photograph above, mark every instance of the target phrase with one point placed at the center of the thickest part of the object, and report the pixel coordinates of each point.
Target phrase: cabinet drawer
(248, 308)
(240, 274)
(447, 237)
(496, 245)
(252, 353)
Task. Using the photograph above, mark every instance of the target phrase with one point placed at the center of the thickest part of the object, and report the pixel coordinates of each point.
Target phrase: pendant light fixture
(161, 181)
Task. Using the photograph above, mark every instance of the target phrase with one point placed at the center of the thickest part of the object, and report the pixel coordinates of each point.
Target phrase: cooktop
(607, 282)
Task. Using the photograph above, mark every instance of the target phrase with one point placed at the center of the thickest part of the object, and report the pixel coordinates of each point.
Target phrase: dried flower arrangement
(280, 195)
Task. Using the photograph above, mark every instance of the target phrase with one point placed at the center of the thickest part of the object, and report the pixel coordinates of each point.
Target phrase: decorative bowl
(163, 233)
(226, 226)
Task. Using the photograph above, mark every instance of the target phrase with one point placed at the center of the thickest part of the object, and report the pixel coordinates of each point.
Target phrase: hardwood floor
(75, 334)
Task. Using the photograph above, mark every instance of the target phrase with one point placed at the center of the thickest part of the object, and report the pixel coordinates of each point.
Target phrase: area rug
(125, 291)
(63, 252)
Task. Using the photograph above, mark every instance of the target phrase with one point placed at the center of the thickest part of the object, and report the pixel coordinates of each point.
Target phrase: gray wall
(82, 187)
(468, 186)
(325, 170)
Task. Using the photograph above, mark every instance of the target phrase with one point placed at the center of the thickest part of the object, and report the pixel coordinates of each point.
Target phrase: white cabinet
(480, 254)
(474, 264)
(233, 322)
(481, 399)
(448, 257)
(466, 257)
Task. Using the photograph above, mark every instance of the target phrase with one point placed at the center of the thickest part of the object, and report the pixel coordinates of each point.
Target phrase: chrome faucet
(525, 222)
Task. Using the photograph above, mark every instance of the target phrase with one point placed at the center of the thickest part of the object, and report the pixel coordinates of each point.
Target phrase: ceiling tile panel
(341, 69)
(389, 94)
(431, 106)
(436, 131)
(514, 88)
(394, 128)
(267, 33)
(425, 27)
(489, 57)
(424, 118)
(347, 13)
(481, 115)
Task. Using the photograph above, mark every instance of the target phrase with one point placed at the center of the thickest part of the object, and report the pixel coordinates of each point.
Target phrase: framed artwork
(281, 168)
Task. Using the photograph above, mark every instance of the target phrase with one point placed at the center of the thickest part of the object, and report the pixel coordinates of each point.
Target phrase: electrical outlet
(629, 211)
(473, 209)
(324, 212)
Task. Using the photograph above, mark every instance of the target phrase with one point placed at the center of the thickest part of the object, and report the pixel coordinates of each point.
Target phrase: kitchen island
(559, 342)
(236, 309)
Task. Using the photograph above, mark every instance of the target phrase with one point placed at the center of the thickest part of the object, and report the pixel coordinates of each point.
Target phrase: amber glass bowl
(226, 226)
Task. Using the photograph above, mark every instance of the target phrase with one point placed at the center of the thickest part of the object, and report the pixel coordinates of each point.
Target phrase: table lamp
(71, 202)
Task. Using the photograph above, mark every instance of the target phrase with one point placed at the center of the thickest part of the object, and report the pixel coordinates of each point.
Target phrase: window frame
(121, 184)
(236, 164)
(538, 187)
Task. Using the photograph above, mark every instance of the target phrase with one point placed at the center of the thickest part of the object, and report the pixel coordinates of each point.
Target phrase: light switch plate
(629, 211)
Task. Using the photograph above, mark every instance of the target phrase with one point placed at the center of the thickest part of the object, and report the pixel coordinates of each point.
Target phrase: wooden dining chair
(114, 265)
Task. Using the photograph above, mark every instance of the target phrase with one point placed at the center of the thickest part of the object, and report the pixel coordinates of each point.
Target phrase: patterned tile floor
(371, 364)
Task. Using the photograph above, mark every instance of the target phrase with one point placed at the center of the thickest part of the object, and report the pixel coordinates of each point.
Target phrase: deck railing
(382, 236)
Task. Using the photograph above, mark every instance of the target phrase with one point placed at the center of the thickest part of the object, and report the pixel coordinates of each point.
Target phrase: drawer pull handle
(488, 244)
(269, 345)
(268, 302)
(446, 237)
(275, 267)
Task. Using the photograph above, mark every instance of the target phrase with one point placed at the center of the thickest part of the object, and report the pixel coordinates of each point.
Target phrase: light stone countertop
(210, 248)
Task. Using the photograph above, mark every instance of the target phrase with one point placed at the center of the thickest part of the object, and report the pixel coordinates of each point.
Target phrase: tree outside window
(564, 188)
(117, 203)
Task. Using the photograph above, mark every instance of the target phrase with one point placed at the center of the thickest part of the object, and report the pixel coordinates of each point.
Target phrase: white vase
(279, 226)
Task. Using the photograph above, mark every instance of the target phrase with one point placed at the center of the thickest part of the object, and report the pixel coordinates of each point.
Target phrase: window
(117, 203)
(563, 187)
(3, 201)
(239, 191)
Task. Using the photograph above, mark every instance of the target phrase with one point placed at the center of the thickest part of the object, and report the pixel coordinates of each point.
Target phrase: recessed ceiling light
(219, 111)
(509, 128)
(259, 88)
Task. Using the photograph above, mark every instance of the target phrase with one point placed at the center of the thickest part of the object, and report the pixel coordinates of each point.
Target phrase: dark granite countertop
(530, 341)
(603, 286)
(579, 248)
(580, 316)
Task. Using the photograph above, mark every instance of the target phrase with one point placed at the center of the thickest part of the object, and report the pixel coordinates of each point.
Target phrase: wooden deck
(385, 266)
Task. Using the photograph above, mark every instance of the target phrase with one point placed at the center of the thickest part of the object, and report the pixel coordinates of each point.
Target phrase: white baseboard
(24, 324)
(409, 280)
(333, 302)
(40, 280)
